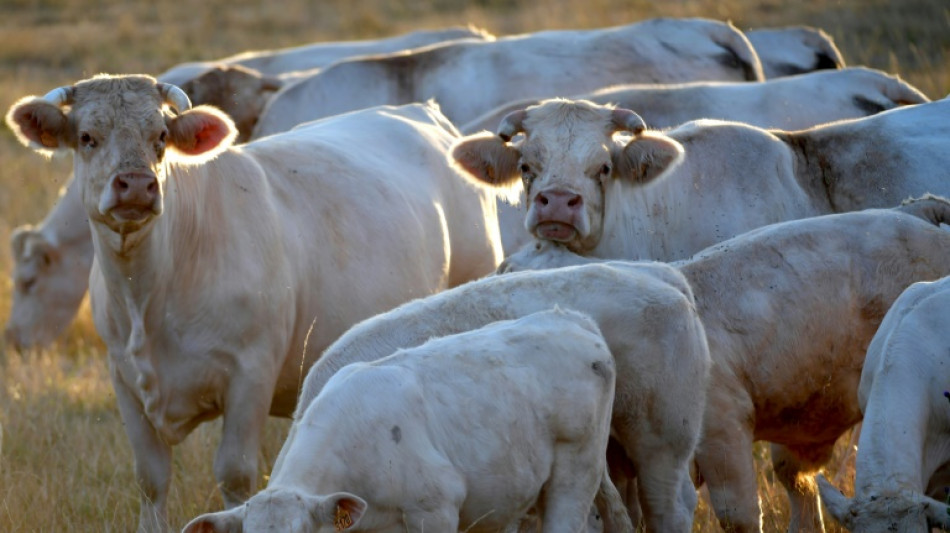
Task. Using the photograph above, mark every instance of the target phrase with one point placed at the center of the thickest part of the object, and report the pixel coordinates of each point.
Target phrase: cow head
(285, 511)
(239, 91)
(48, 287)
(119, 128)
(566, 161)
(892, 511)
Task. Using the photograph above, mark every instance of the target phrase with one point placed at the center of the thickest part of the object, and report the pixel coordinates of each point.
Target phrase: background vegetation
(65, 462)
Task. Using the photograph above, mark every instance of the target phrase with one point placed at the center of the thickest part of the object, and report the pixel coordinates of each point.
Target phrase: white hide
(794, 50)
(470, 78)
(50, 272)
(787, 103)
(789, 310)
(468, 432)
(217, 286)
(320, 54)
(645, 312)
(905, 435)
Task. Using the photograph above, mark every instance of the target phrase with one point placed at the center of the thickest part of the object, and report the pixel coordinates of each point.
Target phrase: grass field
(65, 462)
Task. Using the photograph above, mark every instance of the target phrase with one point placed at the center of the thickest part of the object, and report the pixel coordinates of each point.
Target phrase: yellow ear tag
(342, 519)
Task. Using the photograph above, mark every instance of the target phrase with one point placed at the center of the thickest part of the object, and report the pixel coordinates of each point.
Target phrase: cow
(902, 395)
(215, 266)
(788, 103)
(320, 54)
(789, 310)
(467, 432)
(470, 78)
(647, 315)
(666, 195)
(50, 274)
(794, 50)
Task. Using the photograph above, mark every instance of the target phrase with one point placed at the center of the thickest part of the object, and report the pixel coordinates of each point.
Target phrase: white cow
(320, 54)
(794, 50)
(211, 278)
(788, 103)
(467, 432)
(50, 273)
(789, 310)
(906, 429)
(241, 85)
(667, 195)
(647, 315)
(470, 78)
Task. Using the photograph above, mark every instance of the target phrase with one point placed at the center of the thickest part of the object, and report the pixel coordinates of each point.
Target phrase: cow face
(119, 130)
(282, 510)
(565, 161)
(240, 92)
(48, 287)
(893, 511)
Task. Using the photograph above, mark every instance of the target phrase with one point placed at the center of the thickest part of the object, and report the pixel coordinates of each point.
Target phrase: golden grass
(65, 463)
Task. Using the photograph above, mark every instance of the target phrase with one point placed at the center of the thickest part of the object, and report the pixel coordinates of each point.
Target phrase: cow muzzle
(131, 197)
(558, 215)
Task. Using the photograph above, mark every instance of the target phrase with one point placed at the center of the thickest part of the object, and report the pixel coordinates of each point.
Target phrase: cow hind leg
(570, 490)
(725, 463)
(794, 468)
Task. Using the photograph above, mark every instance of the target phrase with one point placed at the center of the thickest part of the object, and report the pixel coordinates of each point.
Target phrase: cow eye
(605, 170)
(525, 168)
(162, 136)
(86, 140)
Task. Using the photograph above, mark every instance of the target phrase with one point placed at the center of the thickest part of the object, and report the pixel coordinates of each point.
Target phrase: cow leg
(235, 462)
(611, 508)
(793, 467)
(153, 459)
(570, 490)
(624, 477)
(725, 463)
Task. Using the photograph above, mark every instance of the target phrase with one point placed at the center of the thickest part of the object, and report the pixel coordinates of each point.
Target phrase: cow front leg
(235, 462)
(794, 468)
(153, 460)
(725, 463)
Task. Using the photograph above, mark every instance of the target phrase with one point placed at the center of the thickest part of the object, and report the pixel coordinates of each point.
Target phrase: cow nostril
(542, 199)
(121, 184)
(574, 202)
(152, 187)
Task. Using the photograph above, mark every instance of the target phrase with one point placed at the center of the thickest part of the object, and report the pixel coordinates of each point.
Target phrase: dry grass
(65, 463)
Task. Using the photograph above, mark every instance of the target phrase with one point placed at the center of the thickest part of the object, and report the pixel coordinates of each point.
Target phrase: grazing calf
(668, 195)
(790, 103)
(467, 432)
(906, 429)
(794, 50)
(51, 265)
(789, 310)
(647, 315)
(469, 78)
(212, 278)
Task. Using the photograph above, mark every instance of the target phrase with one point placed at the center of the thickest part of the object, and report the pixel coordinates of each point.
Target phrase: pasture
(65, 463)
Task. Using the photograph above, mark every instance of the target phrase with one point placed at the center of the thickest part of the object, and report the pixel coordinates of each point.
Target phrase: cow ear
(647, 157)
(838, 505)
(487, 159)
(201, 132)
(39, 124)
(18, 240)
(229, 521)
(341, 509)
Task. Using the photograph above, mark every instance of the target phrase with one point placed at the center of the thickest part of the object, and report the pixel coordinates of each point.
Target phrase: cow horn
(626, 120)
(174, 97)
(511, 125)
(60, 96)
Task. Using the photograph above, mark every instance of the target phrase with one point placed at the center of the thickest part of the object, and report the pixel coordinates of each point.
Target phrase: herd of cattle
(716, 231)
